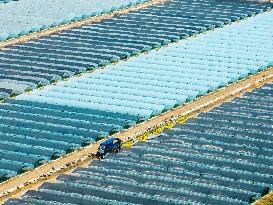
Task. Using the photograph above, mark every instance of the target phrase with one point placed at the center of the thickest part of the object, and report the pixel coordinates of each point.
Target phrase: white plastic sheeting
(42, 61)
(160, 80)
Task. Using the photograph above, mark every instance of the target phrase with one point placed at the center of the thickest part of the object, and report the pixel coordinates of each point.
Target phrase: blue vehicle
(112, 145)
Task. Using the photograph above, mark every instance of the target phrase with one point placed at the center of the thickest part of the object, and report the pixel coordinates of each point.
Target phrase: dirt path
(266, 200)
(32, 179)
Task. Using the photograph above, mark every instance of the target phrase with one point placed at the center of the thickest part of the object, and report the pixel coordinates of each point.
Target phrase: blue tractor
(112, 145)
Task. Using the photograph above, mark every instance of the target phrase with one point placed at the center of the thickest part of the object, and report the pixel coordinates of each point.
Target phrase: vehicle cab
(112, 145)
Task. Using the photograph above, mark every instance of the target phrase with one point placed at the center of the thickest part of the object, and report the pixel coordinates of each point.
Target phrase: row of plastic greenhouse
(48, 123)
(221, 157)
(65, 91)
(19, 18)
(48, 59)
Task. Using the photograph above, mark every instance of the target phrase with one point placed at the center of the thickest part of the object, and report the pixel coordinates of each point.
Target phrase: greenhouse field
(49, 59)
(76, 112)
(26, 16)
(221, 157)
(136, 102)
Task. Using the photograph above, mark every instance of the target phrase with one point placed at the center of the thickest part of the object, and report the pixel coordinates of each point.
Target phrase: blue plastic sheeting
(51, 122)
(40, 62)
(221, 157)
(27, 16)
